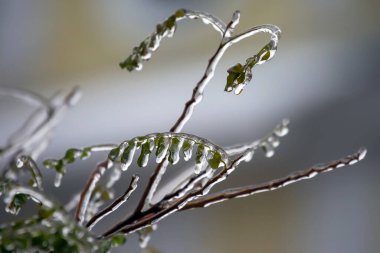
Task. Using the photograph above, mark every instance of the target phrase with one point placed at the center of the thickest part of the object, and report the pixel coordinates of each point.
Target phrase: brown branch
(275, 184)
(157, 213)
(115, 205)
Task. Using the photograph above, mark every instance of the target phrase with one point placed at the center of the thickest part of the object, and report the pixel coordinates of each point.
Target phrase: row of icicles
(163, 145)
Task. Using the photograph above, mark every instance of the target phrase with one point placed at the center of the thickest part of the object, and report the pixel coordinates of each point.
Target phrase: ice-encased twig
(88, 189)
(38, 197)
(70, 157)
(155, 213)
(277, 183)
(27, 161)
(27, 140)
(115, 205)
(267, 143)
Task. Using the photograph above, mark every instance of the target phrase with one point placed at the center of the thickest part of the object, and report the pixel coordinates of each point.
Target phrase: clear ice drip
(127, 156)
(161, 155)
(189, 150)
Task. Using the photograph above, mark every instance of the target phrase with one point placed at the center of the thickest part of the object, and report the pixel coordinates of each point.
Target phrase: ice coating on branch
(168, 146)
(240, 75)
(144, 51)
(267, 143)
(127, 155)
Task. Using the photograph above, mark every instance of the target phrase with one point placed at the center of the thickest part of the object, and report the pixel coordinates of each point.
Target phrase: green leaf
(44, 213)
(114, 154)
(264, 53)
(160, 144)
(70, 155)
(18, 201)
(180, 13)
(160, 29)
(214, 162)
(173, 148)
(131, 63)
(60, 167)
(170, 22)
(127, 151)
(199, 154)
(145, 149)
(86, 153)
(234, 73)
(118, 240)
(186, 146)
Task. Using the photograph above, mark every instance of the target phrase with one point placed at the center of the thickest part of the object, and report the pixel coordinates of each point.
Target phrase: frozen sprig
(144, 51)
(169, 146)
(240, 75)
(71, 156)
(53, 231)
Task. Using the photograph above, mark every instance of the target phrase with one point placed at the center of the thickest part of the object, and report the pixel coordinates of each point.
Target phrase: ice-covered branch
(144, 51)
(71, 156)
(234, 80)
(156, 213)
(80, 212)
(115, 205)
(26, 161)
(32, 136)
(277, 183)
(267, 143)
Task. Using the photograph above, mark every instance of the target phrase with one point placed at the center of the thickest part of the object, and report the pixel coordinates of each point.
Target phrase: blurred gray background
(325, 78)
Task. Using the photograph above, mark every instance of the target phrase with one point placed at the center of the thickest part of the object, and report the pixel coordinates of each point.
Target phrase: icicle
(175, 146)
(201, 159)
(162, 149)
(268, 149)
(187, 148)
(58, 179)
(145, 235)
(127, 156)
(282, 129)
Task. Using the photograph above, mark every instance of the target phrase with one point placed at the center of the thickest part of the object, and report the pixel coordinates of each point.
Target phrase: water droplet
(58, 179)
(145, 160)
(199, 167)
(229, 88)
(239, 89)
(282, 129)
(268, 149)
(19, 162)
(274, 141)
(363, 153)
(353, 162)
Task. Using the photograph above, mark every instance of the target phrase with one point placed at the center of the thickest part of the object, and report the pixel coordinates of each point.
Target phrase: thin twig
(27, 161)
(30, 141)
(280, 130)
(275, 184)
(155, 213)
(115, 205)
(40, 198)
(85, 196)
